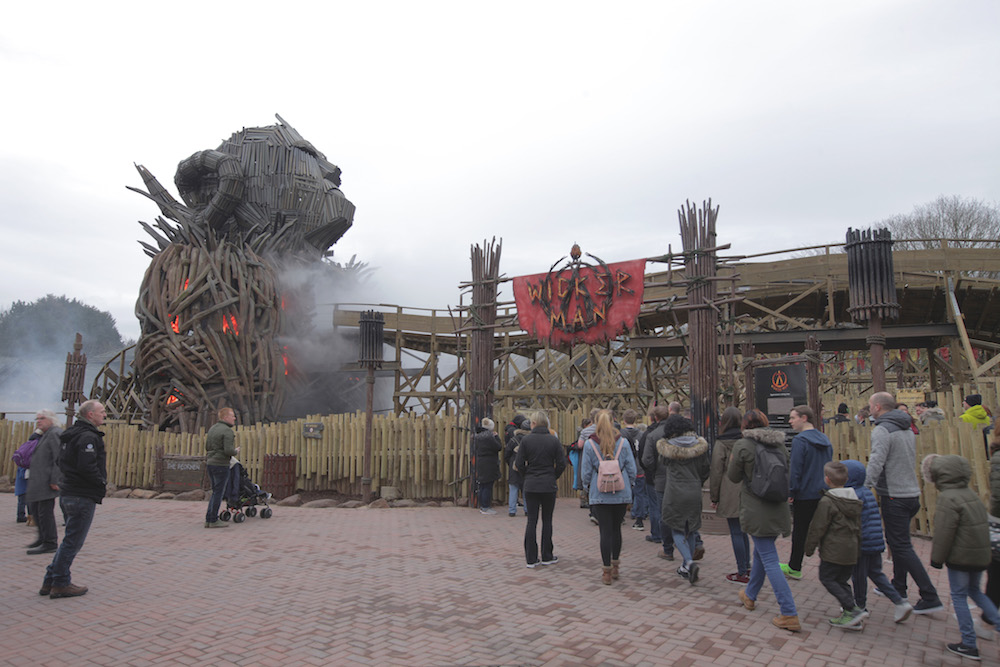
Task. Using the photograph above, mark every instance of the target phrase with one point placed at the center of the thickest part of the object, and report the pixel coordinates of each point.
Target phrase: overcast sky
(540, 123)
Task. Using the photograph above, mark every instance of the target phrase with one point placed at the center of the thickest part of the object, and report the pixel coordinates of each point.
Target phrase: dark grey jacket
(44, 467)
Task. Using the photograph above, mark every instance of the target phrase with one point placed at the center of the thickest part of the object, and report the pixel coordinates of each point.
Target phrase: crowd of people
(847, 511)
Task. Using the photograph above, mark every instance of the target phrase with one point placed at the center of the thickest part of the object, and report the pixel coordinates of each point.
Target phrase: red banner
(580, 303)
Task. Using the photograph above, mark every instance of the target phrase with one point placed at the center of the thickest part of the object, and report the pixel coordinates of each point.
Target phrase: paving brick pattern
(422, 586)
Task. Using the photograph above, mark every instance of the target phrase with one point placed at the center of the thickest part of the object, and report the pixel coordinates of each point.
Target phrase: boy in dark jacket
(962, 542)
(836, 530)
(872, 545)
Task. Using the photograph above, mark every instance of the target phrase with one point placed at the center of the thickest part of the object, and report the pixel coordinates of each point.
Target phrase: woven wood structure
(211, 308)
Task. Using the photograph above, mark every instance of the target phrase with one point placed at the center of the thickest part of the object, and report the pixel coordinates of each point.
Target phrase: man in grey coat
(43, 483)
(892, 472)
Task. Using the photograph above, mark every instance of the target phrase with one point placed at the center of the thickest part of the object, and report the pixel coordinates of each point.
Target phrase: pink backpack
(609, 473)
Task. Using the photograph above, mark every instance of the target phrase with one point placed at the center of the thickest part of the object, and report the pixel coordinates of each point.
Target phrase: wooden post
(872, 290)
(76, 367)
(698, 237)
(371, 324)
(483, 313)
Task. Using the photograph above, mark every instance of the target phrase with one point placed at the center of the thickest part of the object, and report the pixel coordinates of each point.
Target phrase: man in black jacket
(83, 485)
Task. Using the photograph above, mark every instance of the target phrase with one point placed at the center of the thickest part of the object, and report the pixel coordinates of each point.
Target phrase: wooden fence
(428, 456)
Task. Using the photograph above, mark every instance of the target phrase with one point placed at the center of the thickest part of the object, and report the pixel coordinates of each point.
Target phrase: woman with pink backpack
(608, 471)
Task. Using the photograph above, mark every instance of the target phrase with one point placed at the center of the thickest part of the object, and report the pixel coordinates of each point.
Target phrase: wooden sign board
(184, 473)
(911, 397)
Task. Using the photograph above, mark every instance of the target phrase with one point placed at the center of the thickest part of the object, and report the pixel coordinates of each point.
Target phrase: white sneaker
(903, 611)
(488, 510)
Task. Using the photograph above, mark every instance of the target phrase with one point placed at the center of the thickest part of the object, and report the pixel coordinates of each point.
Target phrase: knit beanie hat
(974, 399)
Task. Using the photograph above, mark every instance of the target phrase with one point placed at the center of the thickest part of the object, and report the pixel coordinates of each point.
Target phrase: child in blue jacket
(869, 565)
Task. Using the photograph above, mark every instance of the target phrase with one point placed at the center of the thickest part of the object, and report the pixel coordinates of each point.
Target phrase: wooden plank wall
(428, 456)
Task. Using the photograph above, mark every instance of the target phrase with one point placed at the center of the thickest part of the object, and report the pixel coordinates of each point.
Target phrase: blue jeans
(896, 516)
(533, 502)
(219, 477)
(965, 585)
(741, 545)
(512, 490)
(79, 513)
(765, 561)
(685, 544)
(574, 461)
(639, 499)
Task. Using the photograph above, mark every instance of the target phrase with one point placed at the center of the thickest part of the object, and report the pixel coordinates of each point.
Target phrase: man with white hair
(83, 485)
(892, 472)
(486, 447)
(43, 483)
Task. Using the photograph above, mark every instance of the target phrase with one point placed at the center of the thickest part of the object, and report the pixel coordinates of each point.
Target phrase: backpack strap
(596, 450)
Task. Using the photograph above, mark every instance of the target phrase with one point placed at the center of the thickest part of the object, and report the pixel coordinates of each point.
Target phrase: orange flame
(284, 359)
(229, 325)
(175, 324)
(187, 281)
(171, 399)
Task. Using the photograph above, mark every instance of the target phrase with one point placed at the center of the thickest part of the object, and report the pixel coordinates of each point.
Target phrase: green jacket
(758, 517)
(976, 414)
(220, 444)
(961, 525)
(836, 527)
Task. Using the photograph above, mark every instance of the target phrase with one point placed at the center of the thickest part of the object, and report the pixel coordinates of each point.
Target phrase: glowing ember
(186, 282)
(175, 324)
(229, 325)
(171, 399)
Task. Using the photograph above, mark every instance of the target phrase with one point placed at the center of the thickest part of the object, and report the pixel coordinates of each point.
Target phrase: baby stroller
(243, 496)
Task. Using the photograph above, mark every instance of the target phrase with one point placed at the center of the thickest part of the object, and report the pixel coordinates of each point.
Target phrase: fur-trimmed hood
(766, 436)
(946, 471)
(686, 446)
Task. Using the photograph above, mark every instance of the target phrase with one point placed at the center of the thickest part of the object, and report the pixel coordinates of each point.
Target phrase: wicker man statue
(209, 308)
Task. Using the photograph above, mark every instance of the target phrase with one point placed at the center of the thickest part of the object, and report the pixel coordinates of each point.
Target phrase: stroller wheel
(251, 511)
(225, 515)
(265, 513)
(239, 517)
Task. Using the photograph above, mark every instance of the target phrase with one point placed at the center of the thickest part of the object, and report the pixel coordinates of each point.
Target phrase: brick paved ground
(428, 586)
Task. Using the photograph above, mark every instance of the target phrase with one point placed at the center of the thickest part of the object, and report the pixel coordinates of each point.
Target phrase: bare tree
(971, 223)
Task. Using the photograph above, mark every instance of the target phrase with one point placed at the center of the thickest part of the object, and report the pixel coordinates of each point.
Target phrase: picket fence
(428, 456)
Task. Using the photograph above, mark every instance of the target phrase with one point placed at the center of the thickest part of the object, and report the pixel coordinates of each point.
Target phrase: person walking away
(811, 450)
(514, 479)
(892, 467)
(541, 460)
(656, 477)
(608, 505)
(43, 483)
(836, 530)
(220, 443)
(639, 501)
(487, 448)
(82, 464)
(685, 456)
(763, 520)
(869, 565)
(725, 495)
(962, 542)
